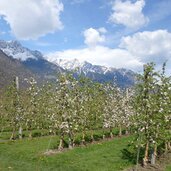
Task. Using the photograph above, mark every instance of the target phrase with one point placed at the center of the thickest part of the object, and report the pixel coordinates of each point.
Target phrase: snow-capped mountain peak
(76, 65)
(16, 50)
(123, 77)
(70, 64)
(47, 67)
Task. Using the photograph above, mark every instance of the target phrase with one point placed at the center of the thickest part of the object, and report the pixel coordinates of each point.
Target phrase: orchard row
(72, 106)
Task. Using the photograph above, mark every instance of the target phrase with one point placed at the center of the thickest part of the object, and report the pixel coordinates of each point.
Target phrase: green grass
(168, 168)
(26, 155)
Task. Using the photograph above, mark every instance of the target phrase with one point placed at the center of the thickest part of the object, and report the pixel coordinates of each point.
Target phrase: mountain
(32, 60)
(123, 77)
(17, 51)
(46, 69)
(10, 68)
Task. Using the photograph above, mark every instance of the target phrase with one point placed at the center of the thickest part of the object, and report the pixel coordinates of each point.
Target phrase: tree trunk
(83, 138)
(153, 155)
(126, 132)
(73, 141)
(30, 135)
(166, 147)
(104, 136)
(92, 137)
(61, 143)
(13, 134)
(70, 140)
(145, 159)
(70, 144)
(111, 134)
(120, 130)
(70, 135)
(20, 132)
(169, 146)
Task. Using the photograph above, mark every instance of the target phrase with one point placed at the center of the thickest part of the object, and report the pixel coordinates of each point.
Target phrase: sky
(114, 33)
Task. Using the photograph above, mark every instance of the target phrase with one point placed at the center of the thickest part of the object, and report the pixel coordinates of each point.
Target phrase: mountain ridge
(123, 77)
(31, 59)
(48, 69)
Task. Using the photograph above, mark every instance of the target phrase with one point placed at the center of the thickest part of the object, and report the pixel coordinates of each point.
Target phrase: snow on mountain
(17, 51)
(85, 67)
(123, 77)
(76, 65)
(46, 67)
(32, 60)
(68, 64)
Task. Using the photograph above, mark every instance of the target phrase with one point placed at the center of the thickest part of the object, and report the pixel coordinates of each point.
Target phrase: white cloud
(132, 53)
(128, 14)
(94, 37)
(102, 30)
(30, 19)
(149, 46)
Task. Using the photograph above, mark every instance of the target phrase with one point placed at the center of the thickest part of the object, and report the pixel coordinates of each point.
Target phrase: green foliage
(151, 121)
(72, 107)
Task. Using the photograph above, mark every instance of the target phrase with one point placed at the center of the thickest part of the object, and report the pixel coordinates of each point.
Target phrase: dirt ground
(160, 165)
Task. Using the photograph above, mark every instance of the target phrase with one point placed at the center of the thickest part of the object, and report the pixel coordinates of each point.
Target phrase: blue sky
(117, 33)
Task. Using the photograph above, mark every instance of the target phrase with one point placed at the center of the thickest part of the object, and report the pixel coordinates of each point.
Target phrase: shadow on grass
(130, 153)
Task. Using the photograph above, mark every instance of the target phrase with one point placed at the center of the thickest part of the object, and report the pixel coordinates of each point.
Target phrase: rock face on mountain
(10, 68)
(34, 62)
(123, 77)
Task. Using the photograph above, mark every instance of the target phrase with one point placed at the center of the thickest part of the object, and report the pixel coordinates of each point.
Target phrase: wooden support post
(17, 88)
